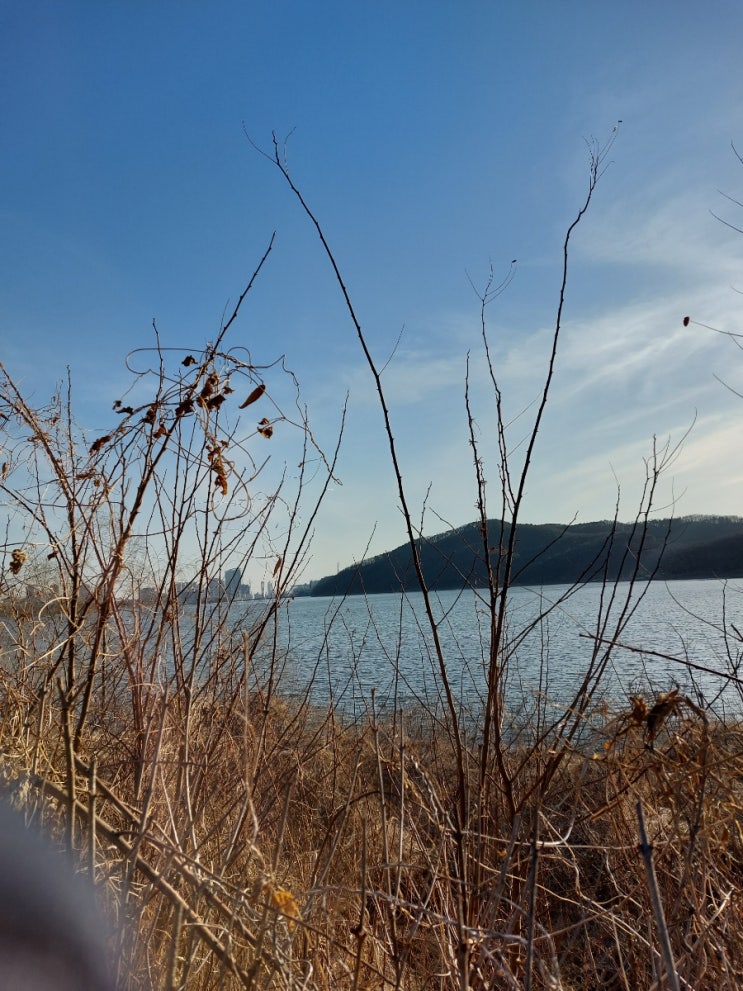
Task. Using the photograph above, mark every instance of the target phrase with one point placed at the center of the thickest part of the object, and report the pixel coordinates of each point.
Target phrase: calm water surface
(344, 649)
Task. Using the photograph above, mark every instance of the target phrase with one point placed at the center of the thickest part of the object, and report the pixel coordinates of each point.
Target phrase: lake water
(345, 649)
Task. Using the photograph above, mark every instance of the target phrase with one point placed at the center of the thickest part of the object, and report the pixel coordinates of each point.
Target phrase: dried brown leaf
(254, 396)
(17, 560)
(97, 445)
(212, 381)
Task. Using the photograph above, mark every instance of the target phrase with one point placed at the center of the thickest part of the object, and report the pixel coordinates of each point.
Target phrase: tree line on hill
(553, 553)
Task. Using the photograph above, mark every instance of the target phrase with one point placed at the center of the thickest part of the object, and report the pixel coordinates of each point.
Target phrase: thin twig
(646, 850)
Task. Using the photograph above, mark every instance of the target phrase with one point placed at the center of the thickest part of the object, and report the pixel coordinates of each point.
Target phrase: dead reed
(252, 844)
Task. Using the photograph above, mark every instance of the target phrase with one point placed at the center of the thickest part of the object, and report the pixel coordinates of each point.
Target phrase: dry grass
(246, 843)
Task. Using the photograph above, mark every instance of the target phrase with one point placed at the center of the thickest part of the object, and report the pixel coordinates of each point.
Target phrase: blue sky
(431, 140)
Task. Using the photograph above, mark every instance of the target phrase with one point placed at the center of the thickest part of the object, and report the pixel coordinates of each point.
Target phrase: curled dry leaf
(218, 467)
(212, 381)
(254, 395)
(265, 429)
(96, 446)
(639, 711)
(188, 360)
(17, 560)
(664, 705)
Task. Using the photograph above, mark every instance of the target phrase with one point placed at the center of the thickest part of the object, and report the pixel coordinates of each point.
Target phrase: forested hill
(551, 553)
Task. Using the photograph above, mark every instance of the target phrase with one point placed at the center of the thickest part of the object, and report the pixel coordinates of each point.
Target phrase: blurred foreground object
(52, 935)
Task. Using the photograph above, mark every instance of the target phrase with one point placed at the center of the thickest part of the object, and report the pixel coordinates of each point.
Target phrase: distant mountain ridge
(554, 553)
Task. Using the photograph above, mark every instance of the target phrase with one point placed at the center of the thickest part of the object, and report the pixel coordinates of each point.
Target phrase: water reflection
(342, 650)
(680, 633)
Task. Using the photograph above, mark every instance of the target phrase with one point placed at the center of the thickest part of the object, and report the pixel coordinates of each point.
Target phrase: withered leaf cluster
(17, 560)
(99, 444)
(215, 454)
(208, 391)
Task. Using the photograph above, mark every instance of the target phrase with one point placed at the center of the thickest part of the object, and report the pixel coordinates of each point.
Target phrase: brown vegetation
(247, 842)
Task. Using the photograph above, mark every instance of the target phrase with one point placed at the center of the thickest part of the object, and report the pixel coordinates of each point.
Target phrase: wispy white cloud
(625, 374)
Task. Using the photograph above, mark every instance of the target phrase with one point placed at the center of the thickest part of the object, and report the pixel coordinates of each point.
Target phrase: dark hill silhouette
(553, 553)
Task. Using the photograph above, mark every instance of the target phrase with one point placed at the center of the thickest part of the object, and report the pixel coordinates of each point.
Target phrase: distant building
(232, 581)
(305, 588)
(214, 589)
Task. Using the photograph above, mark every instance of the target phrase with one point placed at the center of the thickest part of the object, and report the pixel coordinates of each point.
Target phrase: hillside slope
(552, 553)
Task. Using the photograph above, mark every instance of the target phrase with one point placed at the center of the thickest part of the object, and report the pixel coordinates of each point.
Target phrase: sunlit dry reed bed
(247, 842)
